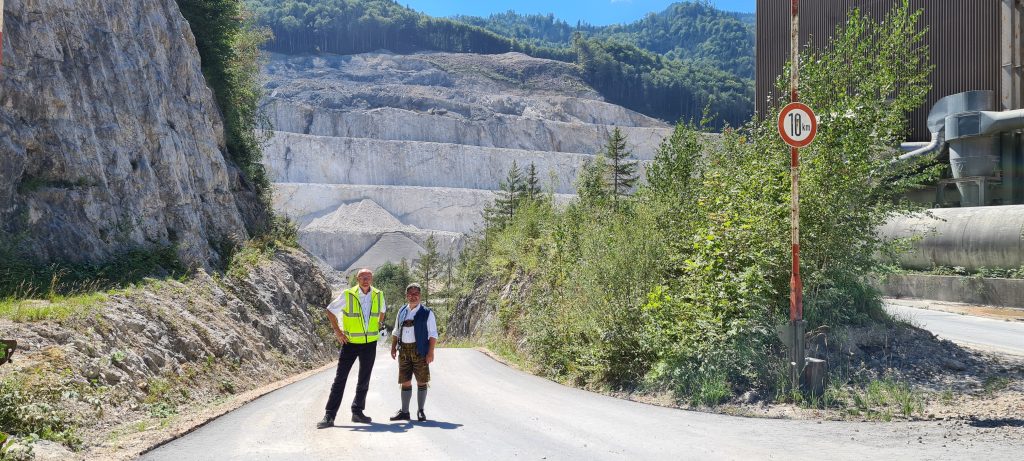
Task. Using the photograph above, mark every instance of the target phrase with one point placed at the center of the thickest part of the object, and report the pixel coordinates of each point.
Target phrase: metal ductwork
(967, 125)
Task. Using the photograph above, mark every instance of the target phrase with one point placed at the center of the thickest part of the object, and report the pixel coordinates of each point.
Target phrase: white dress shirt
(408, 334)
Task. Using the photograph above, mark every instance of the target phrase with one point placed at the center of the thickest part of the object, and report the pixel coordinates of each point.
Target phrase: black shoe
(420, 416)
(359, 417)
(401, 415)
(325, 423)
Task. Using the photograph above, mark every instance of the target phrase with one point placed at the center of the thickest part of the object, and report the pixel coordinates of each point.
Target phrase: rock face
(428, 138)
(177, 344)
(109, 137)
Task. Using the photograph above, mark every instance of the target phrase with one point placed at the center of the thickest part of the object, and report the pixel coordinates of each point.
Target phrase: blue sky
(597, 12)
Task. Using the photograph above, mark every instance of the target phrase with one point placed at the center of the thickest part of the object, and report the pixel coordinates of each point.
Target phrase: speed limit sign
(797, 124)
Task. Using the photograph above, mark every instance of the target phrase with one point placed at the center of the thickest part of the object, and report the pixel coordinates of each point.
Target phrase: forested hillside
(675, 85)
(686, 31)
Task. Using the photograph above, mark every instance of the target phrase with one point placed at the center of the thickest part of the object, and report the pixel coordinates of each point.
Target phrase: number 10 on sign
(797, 124)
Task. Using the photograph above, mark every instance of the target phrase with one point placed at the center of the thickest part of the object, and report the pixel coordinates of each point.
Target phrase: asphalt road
(985, 333)
(480, 409)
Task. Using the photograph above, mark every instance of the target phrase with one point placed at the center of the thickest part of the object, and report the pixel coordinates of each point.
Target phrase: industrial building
(974, 114)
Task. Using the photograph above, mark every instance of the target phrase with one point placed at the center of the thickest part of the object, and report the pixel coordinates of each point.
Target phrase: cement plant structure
(973, 119)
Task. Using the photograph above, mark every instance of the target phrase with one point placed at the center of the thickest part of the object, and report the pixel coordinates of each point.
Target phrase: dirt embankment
(148, 357)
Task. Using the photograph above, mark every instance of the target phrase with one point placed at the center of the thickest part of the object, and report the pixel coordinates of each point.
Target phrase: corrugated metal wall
(963, 39)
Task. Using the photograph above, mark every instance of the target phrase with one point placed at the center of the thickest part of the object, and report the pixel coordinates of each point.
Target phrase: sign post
(797, 126)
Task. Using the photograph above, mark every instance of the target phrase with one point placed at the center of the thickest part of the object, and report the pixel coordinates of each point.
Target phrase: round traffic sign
(797, 124)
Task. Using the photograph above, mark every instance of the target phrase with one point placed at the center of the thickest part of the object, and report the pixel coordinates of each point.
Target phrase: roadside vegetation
(229, 48)
(30, 291)
(678, 285)
(959, 271)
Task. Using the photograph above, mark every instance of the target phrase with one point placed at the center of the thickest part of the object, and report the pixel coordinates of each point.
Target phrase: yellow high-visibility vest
(352, 316)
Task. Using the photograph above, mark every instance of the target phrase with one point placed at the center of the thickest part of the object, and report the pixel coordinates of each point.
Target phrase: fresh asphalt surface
(480, 409)
(984, 333)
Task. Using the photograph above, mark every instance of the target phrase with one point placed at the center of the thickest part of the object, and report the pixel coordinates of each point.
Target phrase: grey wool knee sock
(406, 397)
(421, 395)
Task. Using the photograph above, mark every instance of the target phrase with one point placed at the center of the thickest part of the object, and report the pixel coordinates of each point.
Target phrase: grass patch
(960, 271)
(458, 343)
(506, 349)
(283, 233)
(22, 278)
(995, 384)
(55, 308)
(879, 400)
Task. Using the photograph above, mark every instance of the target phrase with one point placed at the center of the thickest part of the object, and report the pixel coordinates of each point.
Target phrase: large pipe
(972, 238)
(927, 148)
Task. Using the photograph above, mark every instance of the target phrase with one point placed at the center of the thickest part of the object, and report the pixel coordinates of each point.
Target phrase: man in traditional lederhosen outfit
(413, 342)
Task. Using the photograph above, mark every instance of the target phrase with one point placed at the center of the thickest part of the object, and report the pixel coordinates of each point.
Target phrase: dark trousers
(366, 353)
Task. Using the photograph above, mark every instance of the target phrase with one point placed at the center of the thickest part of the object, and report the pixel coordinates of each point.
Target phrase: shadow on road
(997, 422)
(399, 427)
(438, 424)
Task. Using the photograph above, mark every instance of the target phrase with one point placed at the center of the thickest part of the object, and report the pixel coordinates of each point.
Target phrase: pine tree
(429, 266)
(620, 175)
(510, 195)
(590, 182)
(532, 192)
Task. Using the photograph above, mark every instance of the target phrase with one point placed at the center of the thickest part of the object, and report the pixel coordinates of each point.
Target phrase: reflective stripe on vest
(352, 316)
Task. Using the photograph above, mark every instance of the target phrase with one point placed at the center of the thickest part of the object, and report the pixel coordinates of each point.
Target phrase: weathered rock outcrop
(428, 137)
(109, 137)
(167, 344)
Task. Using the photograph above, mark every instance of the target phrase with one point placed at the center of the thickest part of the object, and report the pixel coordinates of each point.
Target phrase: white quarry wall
(373, 153)
(298, 158)
(444, 209)
(497, 131)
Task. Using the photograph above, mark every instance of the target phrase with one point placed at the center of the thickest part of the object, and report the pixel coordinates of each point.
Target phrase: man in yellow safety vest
(361, 309)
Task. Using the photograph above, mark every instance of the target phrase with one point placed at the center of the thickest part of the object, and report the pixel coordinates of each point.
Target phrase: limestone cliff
(110, 138)
(427, 138)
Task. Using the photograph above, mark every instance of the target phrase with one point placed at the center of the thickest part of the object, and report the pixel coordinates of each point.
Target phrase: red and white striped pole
(796, 309)
(796, 301)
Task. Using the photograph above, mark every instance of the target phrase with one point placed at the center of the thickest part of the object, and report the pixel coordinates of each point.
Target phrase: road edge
(139, 444)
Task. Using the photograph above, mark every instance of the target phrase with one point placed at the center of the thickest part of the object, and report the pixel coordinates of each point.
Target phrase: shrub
(680, 287)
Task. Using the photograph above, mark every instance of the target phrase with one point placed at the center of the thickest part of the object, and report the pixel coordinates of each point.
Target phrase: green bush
(27, 409)
(680, 287)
